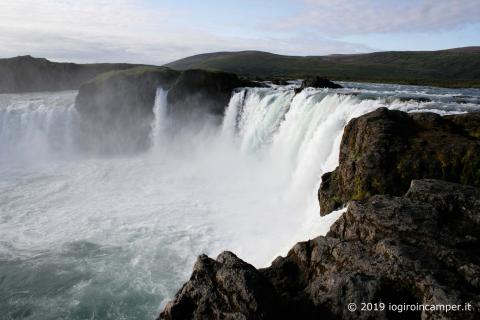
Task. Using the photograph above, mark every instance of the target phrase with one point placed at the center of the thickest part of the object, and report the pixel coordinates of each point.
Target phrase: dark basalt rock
(317, 82)
(422, 248)
(381, 152)
(226, 288)
(29, 74)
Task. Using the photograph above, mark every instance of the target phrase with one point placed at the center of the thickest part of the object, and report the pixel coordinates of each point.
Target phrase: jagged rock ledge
(417, 245)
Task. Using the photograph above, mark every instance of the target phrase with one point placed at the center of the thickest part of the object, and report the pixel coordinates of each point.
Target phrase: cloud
(131, 31)
(350, 17)
(146, 31)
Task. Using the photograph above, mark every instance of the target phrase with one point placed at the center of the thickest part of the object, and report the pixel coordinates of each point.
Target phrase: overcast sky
(159, 31)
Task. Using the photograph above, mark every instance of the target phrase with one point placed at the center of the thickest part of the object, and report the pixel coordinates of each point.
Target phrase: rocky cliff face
(409, 242)
(28, 74)
(381, 152)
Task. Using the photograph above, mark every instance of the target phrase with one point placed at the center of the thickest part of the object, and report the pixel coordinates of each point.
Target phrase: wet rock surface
(381, 152)
(421, 248)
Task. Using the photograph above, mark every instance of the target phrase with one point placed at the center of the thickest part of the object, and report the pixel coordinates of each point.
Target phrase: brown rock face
(381, 152)
(422, 248)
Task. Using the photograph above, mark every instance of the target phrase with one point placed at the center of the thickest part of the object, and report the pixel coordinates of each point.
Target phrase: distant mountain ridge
(29, 74)
(458, 67)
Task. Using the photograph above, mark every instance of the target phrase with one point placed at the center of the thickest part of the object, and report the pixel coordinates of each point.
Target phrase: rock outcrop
(422, 248)
(226, 288)
(317, 82)
(381, 152)
(28, 74)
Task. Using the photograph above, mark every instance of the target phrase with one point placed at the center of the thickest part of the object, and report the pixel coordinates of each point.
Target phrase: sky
(160, 31)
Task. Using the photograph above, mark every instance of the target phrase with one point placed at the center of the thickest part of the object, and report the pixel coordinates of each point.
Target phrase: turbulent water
(94, 237)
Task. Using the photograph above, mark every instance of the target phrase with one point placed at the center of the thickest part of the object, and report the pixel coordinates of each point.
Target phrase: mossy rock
(382, 151)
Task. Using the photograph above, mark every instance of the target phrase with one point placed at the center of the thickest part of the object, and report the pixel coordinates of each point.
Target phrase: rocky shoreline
(410, 235)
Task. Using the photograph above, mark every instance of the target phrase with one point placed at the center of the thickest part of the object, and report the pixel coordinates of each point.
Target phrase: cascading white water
(35, 126)
(159, 125)
(256, 115)
(87, 237)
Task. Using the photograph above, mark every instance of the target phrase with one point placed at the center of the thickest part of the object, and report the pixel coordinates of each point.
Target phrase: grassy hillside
(27, 74)
(458, 67)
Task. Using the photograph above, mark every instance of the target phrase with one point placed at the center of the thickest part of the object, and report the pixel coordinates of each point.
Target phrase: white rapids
(86, 237)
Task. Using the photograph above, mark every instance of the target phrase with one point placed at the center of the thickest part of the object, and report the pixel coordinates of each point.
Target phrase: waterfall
(159, 125)
(256, 115)
(298, 135)
(36, 125)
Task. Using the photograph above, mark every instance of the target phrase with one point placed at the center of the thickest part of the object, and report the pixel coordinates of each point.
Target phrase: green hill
(459, 67)
(27, 74)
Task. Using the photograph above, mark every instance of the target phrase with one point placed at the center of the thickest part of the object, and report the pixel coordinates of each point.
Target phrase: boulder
(317, 82)
(382, 151)
(280, 82)
(226, 288)
(421, 248)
